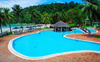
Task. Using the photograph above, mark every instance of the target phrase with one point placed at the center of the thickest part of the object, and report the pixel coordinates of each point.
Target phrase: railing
(83, 29)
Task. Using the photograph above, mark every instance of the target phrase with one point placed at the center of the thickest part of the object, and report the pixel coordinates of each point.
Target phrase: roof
(61, 24)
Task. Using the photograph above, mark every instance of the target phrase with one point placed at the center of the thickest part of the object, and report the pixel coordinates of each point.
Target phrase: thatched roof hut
(61, 24)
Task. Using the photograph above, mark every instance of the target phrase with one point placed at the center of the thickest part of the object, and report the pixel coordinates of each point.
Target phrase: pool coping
(11, 49)
(80, 39)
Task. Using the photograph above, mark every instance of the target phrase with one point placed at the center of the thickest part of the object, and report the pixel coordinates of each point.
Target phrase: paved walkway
(90, 37)
(7, 56)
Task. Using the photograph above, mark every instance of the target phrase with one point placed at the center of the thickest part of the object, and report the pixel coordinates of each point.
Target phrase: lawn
(72, 24)
(97, 36)
(6, 34)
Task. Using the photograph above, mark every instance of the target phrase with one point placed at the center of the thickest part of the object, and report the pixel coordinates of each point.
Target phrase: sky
(27, 3)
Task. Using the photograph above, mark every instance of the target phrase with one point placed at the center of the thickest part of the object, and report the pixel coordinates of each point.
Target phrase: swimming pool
(15, 25)
(49, 43)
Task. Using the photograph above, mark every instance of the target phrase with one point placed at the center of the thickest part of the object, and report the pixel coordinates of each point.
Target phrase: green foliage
(17, 13)
(10, 33)
(34, 14)
(72, 24)
(7, 16)
(97, 36)
(51, 13)
(55, 7)
(2, 19)
(46, 18)
(91, 8)
(88, 26)
(97, 26)
(56, 16)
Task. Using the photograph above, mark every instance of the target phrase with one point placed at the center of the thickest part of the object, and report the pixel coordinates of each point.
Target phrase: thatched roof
(60, 24)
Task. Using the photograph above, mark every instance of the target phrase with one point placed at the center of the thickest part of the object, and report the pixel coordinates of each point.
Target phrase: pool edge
(10, 48)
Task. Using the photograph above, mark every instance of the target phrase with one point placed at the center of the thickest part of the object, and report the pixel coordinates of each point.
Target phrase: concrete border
(80, 39)
(10, 48)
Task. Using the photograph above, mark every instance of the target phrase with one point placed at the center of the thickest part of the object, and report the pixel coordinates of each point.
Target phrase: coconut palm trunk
(91, 22)
(85, 22)
(10, 27)
(1, 29)
(98, 23)
(21, 25)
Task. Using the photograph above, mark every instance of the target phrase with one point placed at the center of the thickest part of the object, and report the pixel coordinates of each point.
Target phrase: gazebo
(61, 26)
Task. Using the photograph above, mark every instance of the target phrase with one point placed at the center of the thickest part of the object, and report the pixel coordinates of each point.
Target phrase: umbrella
(27, 27)
(39, 26)
(31, 26)
(16, 28)
(21, 27)
(34, 26)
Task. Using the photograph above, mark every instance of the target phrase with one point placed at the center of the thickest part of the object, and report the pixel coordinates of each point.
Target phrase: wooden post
(61, 29)
(66, 29)
(55, 29)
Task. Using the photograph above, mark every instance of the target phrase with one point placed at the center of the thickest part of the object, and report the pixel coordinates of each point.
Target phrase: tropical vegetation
(97, 36)
(83, 14)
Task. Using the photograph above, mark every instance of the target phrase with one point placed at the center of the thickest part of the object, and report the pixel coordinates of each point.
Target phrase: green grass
(97, 36)
(72, 24)
(6, 34)
(75, 25)
(46, 28)
(88, 26)
(41, 28)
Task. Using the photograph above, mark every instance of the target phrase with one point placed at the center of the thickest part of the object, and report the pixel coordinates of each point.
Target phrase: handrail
(83, 29)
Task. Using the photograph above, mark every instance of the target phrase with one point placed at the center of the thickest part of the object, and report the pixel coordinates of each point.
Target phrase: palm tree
(2, 22)
(22, 18)
(91, 9)
(46, 18)
(56, 17)
(17, 12)
(31, 14)
(7, 16)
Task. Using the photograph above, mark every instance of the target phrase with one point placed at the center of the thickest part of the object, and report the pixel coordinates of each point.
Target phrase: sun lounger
(6, 32)
(0, 34)
(30, 29)
(17, 32)
(26, 30)
(13, 32)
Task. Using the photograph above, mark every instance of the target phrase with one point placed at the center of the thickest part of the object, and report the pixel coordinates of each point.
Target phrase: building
(61, 26)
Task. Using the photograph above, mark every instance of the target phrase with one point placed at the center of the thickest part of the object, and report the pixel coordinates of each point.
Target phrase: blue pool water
(15, 25)
(50, 42)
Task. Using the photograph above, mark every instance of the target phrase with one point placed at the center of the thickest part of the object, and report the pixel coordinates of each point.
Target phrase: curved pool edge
(44, 57)
(11, 49)
(80, 39)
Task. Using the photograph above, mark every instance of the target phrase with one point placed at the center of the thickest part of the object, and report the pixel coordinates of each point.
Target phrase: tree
(2, 22)
(56, 17)
(7, 16)
(17, 12)
(70, 15)
(34, 15)
(91, 9)
(46, 19)
(63, 16)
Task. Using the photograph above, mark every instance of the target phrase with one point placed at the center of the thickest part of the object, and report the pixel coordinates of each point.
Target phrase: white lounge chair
(17, 32)
(0, 34)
